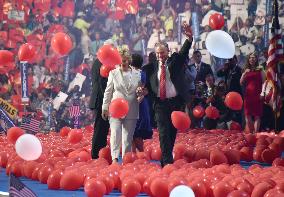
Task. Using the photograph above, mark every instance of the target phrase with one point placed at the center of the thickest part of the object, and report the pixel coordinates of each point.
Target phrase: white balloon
(182, 191)
(28, 147)
(220, 44)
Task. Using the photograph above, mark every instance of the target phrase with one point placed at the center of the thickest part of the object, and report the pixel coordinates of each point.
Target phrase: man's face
(162, 53)
(197, 58)
(97, 36)
(232, 62)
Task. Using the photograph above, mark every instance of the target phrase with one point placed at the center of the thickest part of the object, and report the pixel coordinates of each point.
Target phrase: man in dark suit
(101, 126)
(164, 86)
(202, 68)
(232, 74)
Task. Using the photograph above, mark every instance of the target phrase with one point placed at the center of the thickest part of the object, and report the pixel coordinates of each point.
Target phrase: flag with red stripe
(275, 55)
(74, 110)
(30, 124)
(19, 189)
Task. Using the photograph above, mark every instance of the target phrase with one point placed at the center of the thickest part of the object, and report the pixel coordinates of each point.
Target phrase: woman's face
(252, 60)
(125, 63)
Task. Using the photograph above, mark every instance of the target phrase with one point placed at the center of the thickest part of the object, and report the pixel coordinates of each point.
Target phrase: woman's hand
(105, 114)
(243, 76)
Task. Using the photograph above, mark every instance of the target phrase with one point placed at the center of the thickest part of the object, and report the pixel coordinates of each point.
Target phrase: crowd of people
(209, 78)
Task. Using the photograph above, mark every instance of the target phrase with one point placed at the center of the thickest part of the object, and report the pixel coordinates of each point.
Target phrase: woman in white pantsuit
(122, 83)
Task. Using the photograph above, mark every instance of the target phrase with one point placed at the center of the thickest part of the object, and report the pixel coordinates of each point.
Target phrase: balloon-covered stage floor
(42, 190)
(210, 162)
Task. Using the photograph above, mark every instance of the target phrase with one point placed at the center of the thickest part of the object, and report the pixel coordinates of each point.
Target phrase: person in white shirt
(122, 83)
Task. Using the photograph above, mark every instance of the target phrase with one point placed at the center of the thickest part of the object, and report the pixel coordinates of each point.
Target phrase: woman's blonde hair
(125, 53)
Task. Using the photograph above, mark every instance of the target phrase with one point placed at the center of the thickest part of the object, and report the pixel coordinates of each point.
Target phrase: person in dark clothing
(147, 69)
(101, 126)
(232, 74)
(163, 84)
(202, 68)
(143, 128)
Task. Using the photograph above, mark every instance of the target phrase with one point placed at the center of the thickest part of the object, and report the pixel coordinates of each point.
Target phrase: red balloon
(218, 157)
(4, 159)
(238, 193)
(95, 188)
(26, 52)
(156, 154)
(109, 183)
(130, 187)
(159, 187)
(43, 173)
(129, 157)
(246, 154)
(64, 131)
(216, 21)
(268, 155)
(104, 71)
(118, 108)
(260, 189)
(212, 112)
(180, 120)
(75, 136)
(71, 180)
(14, 133)
(105, 153)
(235, 126)
(16, 168)
(198, 112)
(53, 181)
(234, 101)
(61, 43)
(109, 55)
(6, 57)
(29, 167)
(222, 189)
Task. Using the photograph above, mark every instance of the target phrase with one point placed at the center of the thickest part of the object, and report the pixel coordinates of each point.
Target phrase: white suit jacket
(118, 88)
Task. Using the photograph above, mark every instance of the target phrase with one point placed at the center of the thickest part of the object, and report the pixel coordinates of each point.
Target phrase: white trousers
(122, 131)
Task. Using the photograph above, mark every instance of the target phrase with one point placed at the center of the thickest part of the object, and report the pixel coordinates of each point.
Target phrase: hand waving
(187, 31)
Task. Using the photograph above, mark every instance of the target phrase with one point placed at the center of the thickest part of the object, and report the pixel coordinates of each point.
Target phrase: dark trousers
(99, 140)
(167, 132)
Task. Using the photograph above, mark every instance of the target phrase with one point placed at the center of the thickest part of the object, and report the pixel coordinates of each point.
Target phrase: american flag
(30, 124)
(19, 189)
(275, 55)
(74, 110)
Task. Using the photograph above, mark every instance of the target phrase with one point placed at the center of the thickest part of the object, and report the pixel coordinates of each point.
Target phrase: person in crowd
(168, 16)
(122, 83)
(202, 68)
(97, 42)
(143, 128)
(101, 126)
(148, 69)
(139, 40)
(252, 79)
(190, 75)
(232, 74)
(163, 88)
(216, 99)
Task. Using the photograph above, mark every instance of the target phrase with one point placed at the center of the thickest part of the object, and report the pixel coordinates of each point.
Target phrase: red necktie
(163, 91)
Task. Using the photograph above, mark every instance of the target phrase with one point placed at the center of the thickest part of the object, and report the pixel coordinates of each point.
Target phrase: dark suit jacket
(204, 70)
(232, 79)
(175, 64)
(99, 85)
